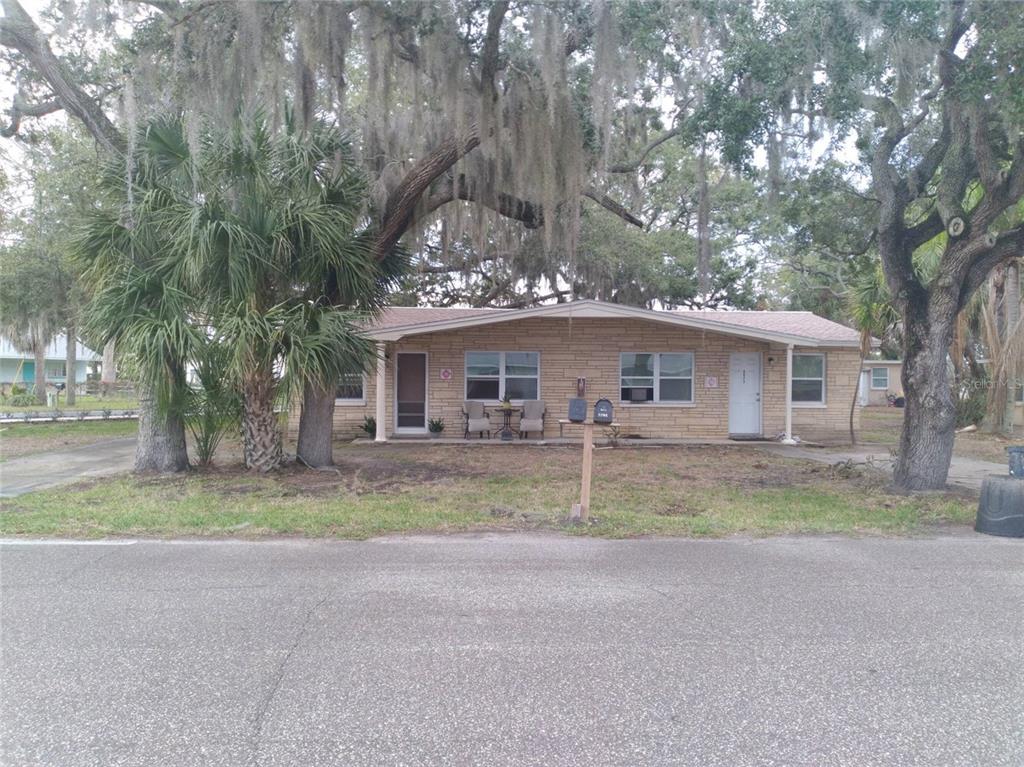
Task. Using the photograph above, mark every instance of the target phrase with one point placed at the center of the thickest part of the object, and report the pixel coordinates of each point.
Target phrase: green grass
(91, 402)
(243, 505)
(21, 439)
(120, 427)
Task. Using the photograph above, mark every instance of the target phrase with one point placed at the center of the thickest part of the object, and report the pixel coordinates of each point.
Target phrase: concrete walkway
(42, 470)
(963, 472)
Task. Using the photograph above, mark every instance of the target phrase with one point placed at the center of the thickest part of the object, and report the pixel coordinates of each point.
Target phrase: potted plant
(506, 403)
(435, 426)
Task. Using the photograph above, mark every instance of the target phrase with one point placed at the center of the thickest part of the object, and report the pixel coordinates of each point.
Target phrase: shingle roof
(795, 325)
(399, 316)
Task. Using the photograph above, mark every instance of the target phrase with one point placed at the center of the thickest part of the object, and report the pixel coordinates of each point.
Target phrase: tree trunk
(703, 227)
(108, 375)
(39, 350)
(1011, 303)
(929, 419)
(316, 427)
(261, 433)
(71, 366)
(856, 396)
(161, 442)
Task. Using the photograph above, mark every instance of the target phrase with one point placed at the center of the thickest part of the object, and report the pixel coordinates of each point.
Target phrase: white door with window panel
(745, 393)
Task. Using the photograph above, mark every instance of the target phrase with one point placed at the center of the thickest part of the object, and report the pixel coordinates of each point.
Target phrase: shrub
(214, 407)
(369, 425)
(21, 399)
(17, 389)
(970, 403)
(436, 425)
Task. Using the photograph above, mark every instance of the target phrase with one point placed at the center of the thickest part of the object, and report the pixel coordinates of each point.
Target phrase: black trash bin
(1016, 461)
(1001, 508)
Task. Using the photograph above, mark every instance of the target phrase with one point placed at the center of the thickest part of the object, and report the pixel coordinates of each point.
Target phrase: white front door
(745, 393)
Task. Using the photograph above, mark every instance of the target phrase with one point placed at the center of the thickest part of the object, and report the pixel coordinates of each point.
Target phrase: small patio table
(507, 431)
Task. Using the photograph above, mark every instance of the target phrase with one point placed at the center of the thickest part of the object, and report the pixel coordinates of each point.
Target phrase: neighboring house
(670, 374)
(879, 379)
(20, 368)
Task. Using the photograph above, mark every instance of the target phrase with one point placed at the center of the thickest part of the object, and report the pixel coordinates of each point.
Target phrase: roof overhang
(590, 309)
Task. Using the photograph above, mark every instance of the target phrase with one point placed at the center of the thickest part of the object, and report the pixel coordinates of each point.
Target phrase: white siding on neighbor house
(19, 367)
(55, 350)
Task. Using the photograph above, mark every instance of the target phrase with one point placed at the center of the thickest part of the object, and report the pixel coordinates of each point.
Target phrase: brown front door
(411, 392)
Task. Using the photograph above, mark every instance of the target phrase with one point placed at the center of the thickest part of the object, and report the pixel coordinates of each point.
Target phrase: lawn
(26, 438)
(689, 491)
(91, 402)
(881, 426)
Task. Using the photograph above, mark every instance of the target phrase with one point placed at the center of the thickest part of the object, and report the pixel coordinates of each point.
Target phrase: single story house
(879, 380)
(669, 374)
(17, 367)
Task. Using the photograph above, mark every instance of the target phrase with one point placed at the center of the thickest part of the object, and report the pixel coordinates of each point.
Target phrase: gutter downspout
(381, 435)
(788, 439)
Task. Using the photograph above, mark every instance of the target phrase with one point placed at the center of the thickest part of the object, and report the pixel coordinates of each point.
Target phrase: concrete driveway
(514, 650)
(58, 467)
(964, 472)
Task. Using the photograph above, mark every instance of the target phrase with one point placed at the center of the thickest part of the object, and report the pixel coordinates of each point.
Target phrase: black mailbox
(577, 410)
(603, 411)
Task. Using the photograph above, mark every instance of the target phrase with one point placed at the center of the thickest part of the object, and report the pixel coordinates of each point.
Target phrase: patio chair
(478, 420)
(533, 417)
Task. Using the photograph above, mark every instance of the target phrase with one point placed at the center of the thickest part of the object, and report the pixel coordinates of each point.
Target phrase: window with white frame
(808, 379)
(351, 388)
(492, 376)
(879, 378)
(57, 369)
(656, 377)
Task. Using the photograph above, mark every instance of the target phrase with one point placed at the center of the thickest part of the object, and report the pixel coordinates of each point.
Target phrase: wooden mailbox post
(581, 510)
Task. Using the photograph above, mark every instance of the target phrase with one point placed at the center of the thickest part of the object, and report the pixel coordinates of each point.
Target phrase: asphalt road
(514, 650)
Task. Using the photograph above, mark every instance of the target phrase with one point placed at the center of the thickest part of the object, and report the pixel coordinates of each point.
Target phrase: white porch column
(381, 435)
(788, 439)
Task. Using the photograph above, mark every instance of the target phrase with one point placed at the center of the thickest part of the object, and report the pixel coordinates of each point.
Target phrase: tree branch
(21, 108)
(491, 47)
(530, 214)
(523, 303)
(633, 165)
(401, 205)
(608, 203)
(20, 32)
(924, 230)
(1008, 245)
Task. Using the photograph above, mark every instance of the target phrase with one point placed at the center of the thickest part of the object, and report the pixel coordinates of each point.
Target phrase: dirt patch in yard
(357, 470)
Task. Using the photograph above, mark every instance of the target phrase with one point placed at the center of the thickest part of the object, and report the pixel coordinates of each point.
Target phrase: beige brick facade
(590, 348)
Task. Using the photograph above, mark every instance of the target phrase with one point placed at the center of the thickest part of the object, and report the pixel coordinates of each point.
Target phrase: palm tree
(257, 234)
(873, 315)
(136, 300)
(30, 317)
(342, 288)
(254, 234)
